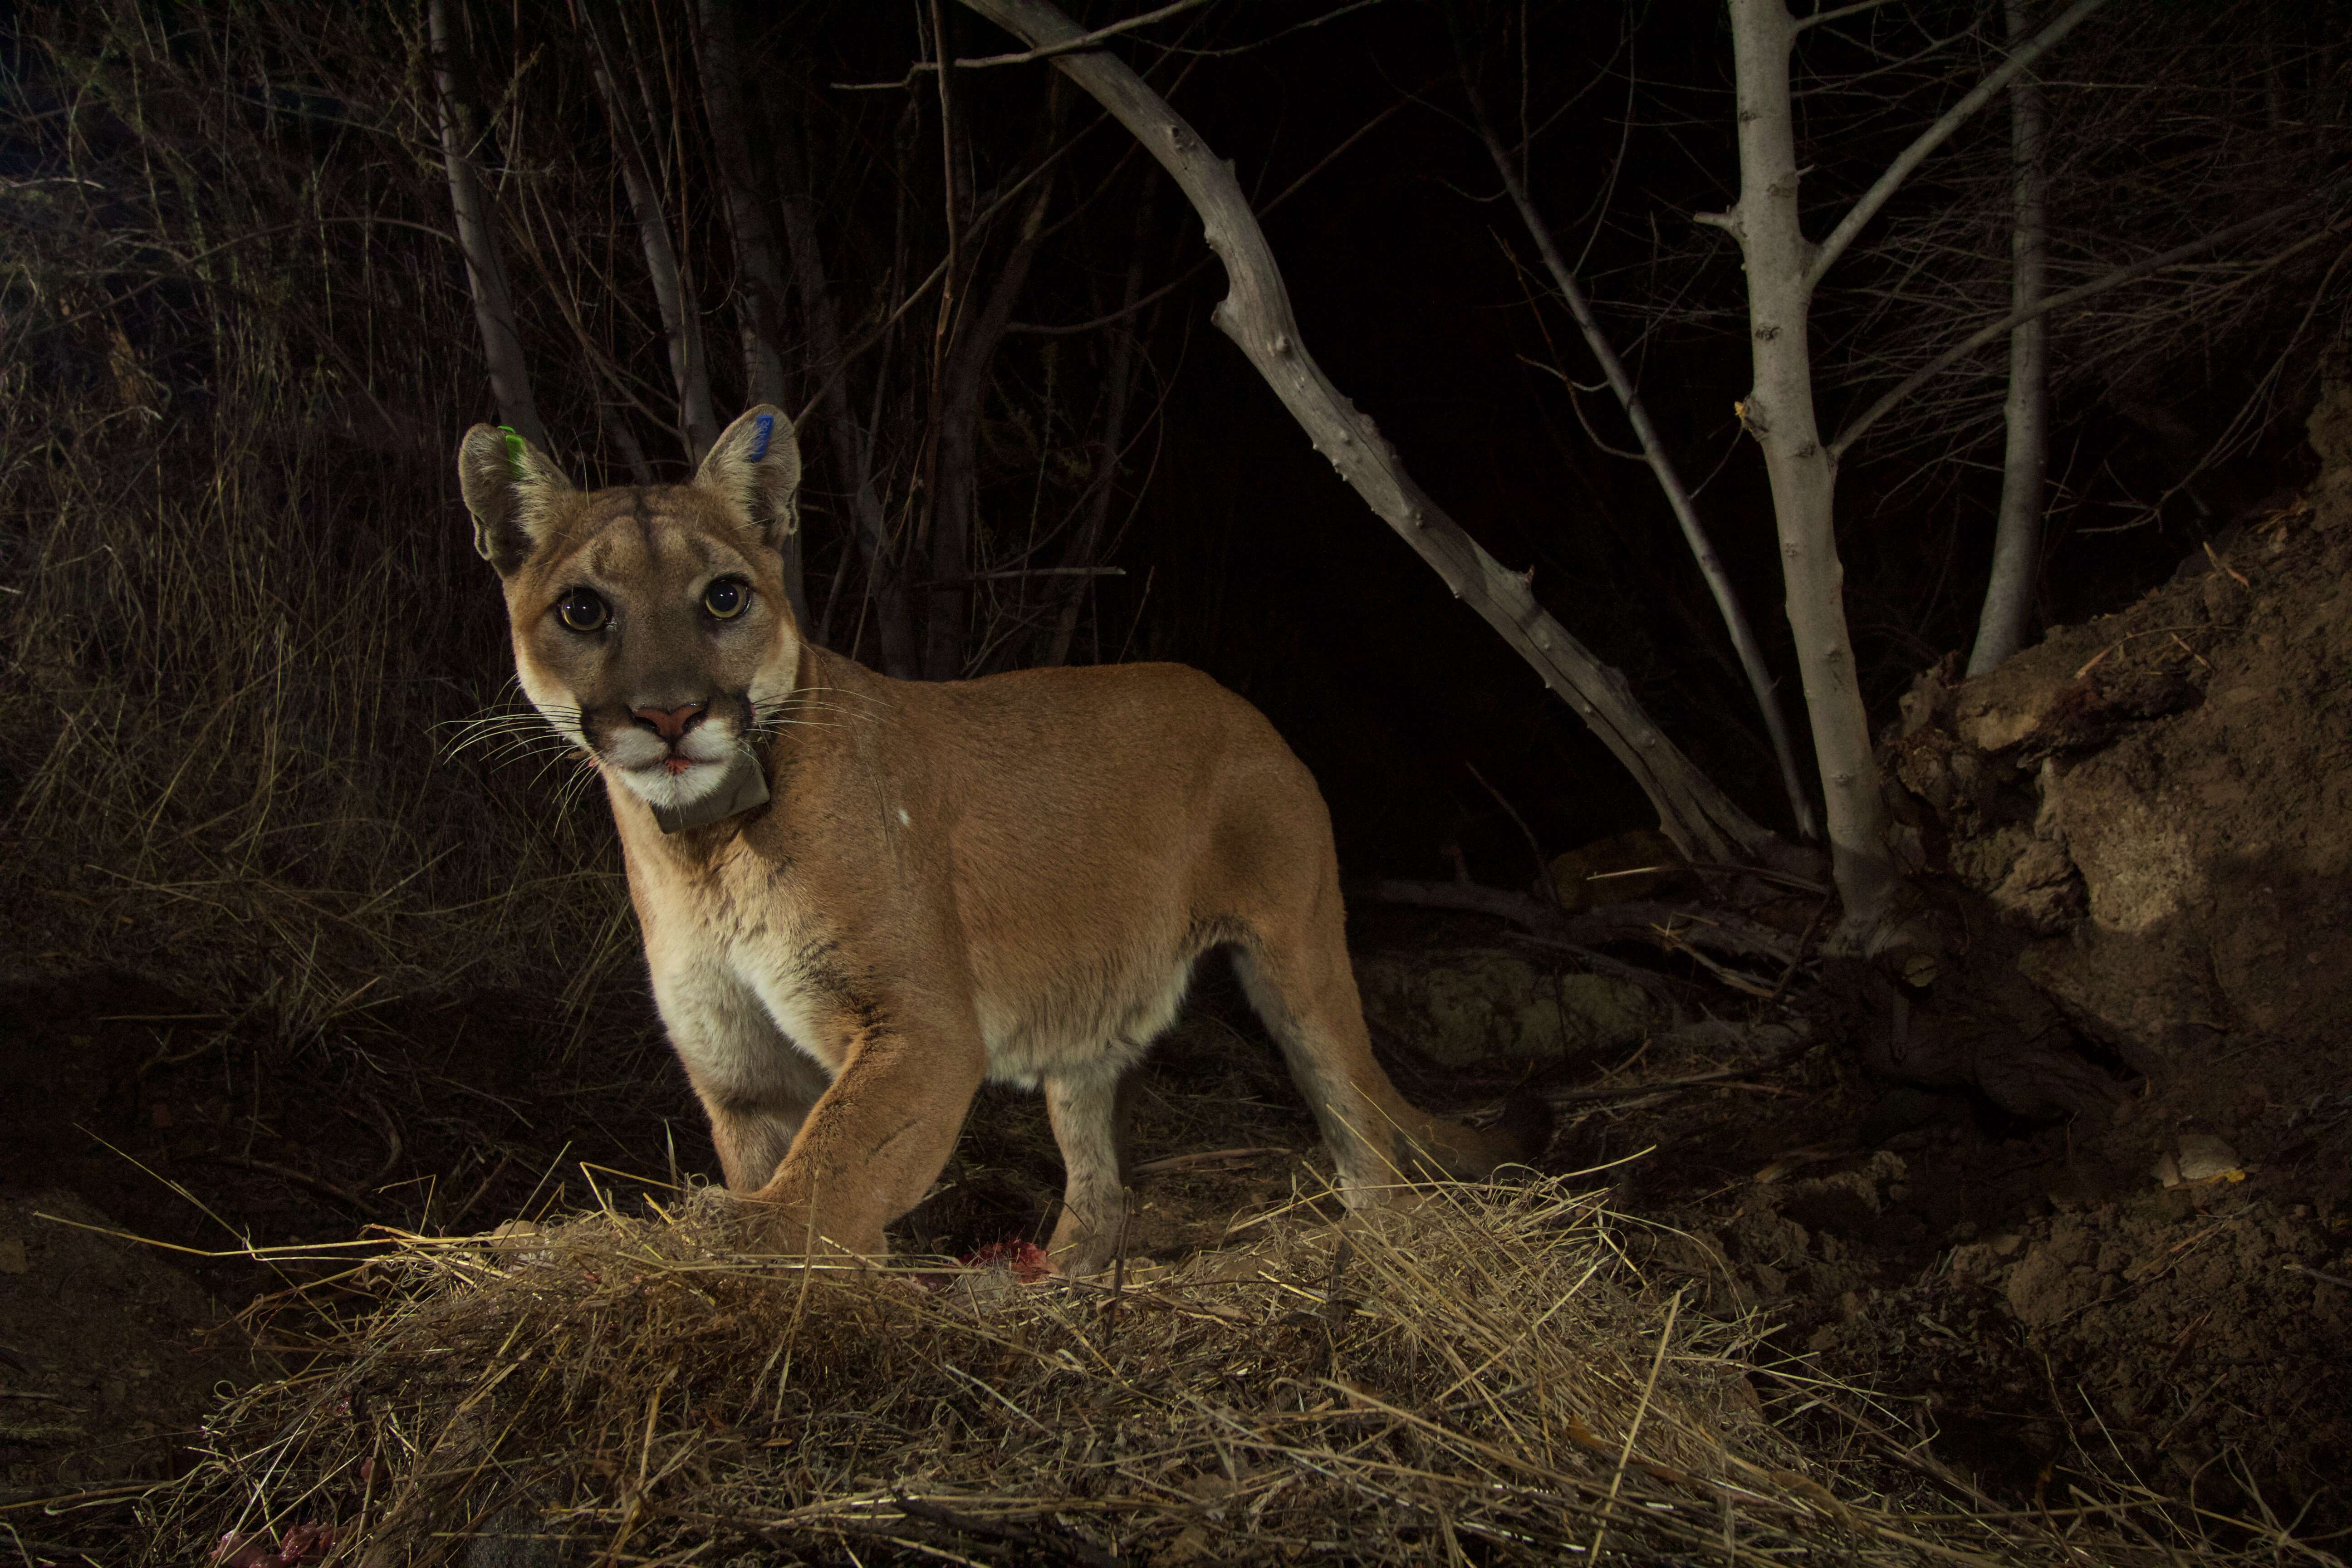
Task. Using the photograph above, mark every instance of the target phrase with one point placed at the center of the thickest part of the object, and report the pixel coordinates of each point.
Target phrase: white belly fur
(729, 998)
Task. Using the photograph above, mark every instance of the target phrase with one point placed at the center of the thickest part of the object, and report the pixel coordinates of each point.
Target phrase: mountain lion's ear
(756, 465)
(509, 486)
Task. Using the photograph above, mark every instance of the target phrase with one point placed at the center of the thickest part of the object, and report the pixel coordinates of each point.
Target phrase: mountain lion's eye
(584, 610)
(726, 597)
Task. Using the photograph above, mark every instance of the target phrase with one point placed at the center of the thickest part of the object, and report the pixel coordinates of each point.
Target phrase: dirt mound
(2161, 800)
(2222, 1304)
(2146, 824)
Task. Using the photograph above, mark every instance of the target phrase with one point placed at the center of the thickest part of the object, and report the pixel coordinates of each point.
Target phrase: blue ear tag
(766, 424)
(514, 449)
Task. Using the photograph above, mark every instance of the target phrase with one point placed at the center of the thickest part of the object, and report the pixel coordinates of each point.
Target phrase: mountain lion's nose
(672, 723)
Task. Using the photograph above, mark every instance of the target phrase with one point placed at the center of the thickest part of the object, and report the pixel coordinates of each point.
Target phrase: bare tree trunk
(956, 479)
(2017, 541)
(1256, 315)
(1653, 451)
(681, 313)
(1779, 412)
(485, 278)
(761, 280)
(1783, 269)
(851, 460)
(1079, 553)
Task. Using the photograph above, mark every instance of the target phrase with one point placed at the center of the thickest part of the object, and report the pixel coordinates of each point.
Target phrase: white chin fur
(637, 759)
(656, 785)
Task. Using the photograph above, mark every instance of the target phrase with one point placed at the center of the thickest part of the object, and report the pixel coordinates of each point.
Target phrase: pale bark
(681, 314)
(1784, 268)
(2017, 538)
(759, 280)
(486, 276)
(1760, 683)
(1779, 412)
(1256, 315)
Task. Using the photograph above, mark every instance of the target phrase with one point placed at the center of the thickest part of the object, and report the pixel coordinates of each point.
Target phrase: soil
(1948, 1188)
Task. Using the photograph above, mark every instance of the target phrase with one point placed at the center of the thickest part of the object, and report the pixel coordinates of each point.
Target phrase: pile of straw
(1482, 1380)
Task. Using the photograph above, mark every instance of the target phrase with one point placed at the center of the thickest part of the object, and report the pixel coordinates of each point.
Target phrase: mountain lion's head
(650, 623)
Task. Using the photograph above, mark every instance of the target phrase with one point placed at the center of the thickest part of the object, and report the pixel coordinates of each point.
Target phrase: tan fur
(1005, 878)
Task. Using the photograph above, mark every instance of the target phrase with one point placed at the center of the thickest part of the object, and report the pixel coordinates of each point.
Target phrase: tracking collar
(745, 786)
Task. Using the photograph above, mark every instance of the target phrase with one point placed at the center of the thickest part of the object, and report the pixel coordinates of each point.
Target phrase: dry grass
(237, 608)
(236, 785)
(1483, 1381)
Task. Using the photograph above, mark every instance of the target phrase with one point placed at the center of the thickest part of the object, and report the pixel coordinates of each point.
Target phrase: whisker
(507, 727)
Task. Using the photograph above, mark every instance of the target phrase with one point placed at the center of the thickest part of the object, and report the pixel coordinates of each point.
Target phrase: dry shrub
(1482, 1380)
(237, 608)
(238, 787)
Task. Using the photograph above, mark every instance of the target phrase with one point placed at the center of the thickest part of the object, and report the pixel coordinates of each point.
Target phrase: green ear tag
(514, 449)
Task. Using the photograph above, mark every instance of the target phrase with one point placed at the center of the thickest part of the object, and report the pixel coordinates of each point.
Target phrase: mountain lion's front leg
(876, 1140)
(755, 1086)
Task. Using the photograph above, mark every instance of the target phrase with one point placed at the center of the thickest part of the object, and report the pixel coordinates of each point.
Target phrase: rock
(1460, 1008)
(2225, 598)
(2199, 1158)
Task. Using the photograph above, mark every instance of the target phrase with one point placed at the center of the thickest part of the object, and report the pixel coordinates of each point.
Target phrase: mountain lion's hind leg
(1309, 1015)
(1089, 1107)
(1298, 977)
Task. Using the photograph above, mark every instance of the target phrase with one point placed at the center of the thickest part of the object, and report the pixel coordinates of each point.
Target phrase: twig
(1217, 1158)
(1634, 1430)
(1543, 865)
(1655, 1086)
(1045, 52)
(1060, 1543)
(2132, 636)
(2324, 1279)
(1803, 941)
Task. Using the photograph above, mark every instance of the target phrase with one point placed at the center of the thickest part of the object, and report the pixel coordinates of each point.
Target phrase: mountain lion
(862, 897)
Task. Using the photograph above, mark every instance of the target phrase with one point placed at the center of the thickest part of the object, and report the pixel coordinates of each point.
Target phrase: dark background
(247, 632)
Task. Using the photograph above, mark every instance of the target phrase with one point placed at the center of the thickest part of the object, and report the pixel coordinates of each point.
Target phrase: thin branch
(1087, 40)
(1653, 451)
(1068, 46)
(2016, 318)
(1839, 15)
(1826, 255)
